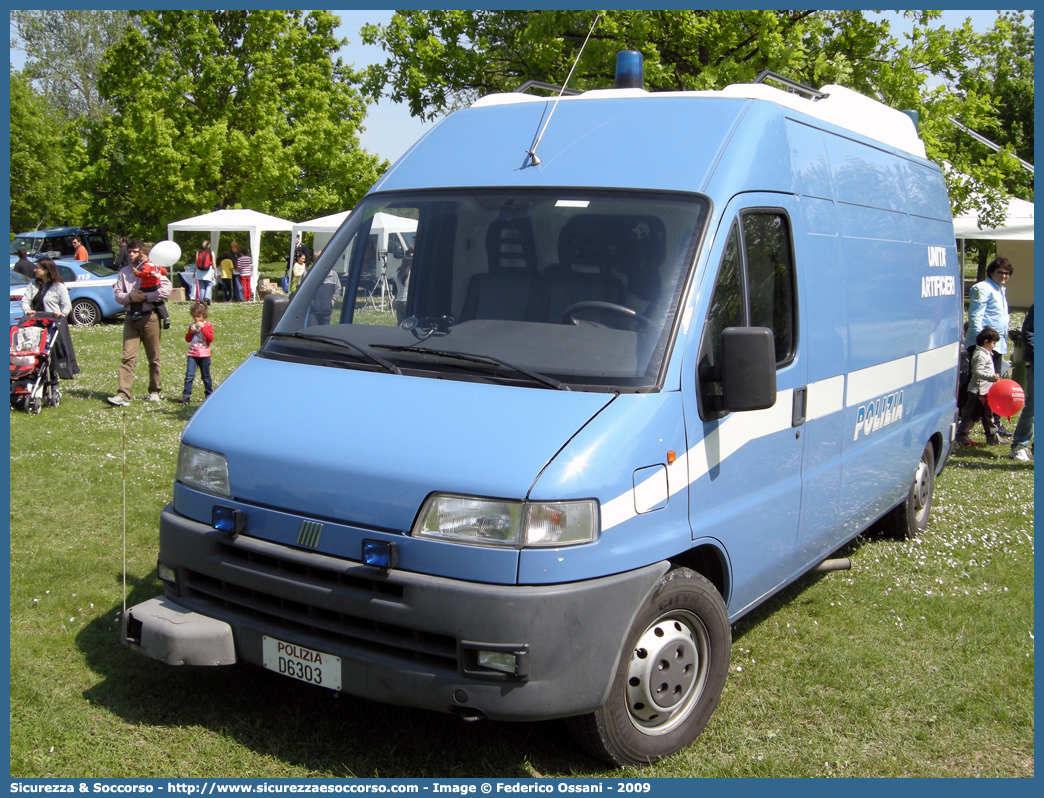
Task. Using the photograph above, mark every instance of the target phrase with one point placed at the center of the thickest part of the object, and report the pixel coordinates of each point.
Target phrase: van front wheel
(670, 677)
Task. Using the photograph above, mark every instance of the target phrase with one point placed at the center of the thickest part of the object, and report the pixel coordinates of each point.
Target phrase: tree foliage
(440, 60)
(998, 82)
(225, 109)
(64, 50)
(40, 160)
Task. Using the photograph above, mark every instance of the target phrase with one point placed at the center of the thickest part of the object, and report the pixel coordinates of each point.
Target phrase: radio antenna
(533, 160)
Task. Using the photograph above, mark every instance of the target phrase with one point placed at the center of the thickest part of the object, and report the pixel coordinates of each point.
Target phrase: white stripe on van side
(877, 380)
(722, 442)
(825, 397)
(616, 511)
(937, 361)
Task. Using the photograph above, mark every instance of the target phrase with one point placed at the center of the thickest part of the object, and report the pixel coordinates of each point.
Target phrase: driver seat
(584, 272)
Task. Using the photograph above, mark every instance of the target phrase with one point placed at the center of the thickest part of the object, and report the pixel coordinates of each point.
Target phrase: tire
(656, 708)
(910, 518)
(33, 405)
(52, 396)
(85, 312)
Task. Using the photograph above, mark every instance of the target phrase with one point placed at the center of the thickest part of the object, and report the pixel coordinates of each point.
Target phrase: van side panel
(891, 323)
(822, 278)
(755, 158)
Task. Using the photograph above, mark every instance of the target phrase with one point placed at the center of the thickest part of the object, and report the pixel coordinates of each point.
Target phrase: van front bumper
(402, 638)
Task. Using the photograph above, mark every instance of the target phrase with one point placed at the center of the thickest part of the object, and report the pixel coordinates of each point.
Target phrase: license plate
(303, 664)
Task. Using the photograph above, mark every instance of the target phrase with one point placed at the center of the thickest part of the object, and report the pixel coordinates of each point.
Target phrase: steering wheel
(623, 310)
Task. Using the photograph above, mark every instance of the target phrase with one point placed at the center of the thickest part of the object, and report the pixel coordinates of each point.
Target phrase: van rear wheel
(670, 677)
(910, 518)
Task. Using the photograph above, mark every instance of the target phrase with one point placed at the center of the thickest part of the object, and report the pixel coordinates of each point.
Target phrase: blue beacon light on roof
(630, 70)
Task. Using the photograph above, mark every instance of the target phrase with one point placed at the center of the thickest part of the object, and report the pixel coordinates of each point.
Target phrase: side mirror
(748, 368)
(747, 372)
(271, 312)
(396, 249)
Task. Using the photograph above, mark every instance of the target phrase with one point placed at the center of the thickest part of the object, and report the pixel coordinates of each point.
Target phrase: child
(244, 268)
(149, 274)
(199, 337)
(297, 271)
(982, 377)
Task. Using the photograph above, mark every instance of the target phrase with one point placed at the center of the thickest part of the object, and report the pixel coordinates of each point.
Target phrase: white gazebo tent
(323, 227)
(234, 220)
(1014, 241)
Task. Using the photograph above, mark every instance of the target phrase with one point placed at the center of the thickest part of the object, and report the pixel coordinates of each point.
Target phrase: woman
(47, 293)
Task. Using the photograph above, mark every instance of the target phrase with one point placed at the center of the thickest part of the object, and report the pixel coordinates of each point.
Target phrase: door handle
(800, 404)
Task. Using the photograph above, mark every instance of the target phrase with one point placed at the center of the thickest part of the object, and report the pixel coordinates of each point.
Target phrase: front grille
(273, 606)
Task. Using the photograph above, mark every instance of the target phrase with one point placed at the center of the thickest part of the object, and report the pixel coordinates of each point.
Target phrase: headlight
(201, 469)
(488, 522)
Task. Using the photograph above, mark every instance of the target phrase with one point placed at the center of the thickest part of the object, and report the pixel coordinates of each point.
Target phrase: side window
(97, 243)
(726, 303)
(770, 278)
(754, 288)
(67, 274)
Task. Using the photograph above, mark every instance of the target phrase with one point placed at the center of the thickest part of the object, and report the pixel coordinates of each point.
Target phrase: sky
(390, 130)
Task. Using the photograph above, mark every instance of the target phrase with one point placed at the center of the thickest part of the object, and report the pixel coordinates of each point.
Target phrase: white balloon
(165, 253)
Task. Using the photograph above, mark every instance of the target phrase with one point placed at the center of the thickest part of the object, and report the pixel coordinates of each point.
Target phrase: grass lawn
(917, 662)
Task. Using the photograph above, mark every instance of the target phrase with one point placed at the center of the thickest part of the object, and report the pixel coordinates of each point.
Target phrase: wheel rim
(667, 672)
(85, 313)
(922, 491)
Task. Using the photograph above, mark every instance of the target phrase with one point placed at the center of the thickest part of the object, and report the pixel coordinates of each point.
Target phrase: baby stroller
(34, 378)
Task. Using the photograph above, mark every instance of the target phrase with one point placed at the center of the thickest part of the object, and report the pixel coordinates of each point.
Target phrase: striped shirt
(244, 265)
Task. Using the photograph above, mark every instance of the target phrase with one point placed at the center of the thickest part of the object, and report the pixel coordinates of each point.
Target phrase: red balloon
(1006, 398)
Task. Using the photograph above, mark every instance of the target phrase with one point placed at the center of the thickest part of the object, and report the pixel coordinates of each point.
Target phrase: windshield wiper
(387, 365)
(536, 376)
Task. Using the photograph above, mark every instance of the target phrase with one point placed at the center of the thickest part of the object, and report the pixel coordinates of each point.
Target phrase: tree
(64, 51)
(442, 59)
(224, 109)
(38, 165)
(439, 60)
(1002, 75)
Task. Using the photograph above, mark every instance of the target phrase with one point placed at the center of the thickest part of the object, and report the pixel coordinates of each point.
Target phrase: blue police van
(56, 242)
(658, 356)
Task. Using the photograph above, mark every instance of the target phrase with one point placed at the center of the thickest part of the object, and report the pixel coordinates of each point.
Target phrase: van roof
(840, 106)
(50, 231)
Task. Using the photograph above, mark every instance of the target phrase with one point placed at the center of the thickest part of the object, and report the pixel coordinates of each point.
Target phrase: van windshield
(554, 288)
(30, 244)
